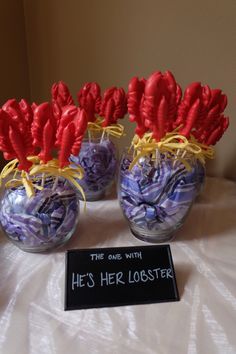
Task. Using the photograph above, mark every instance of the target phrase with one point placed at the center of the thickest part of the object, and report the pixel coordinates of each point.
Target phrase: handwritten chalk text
(81, 280)
(115, 256)
(103, 279)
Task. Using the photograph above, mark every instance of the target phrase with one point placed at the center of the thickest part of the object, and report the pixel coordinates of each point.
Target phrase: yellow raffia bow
(172, 144)
(49, 169)
(116, 130)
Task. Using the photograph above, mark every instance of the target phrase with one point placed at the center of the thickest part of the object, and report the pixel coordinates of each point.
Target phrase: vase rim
(96, 140)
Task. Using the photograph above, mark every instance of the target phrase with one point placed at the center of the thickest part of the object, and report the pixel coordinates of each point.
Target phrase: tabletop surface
(32, 316)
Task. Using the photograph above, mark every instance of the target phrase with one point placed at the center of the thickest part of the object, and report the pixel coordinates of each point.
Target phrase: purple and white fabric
(98, 159)
(158, 196)
(43, 220)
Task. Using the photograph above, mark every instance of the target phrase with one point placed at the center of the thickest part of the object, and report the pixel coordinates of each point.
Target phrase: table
(32, 319)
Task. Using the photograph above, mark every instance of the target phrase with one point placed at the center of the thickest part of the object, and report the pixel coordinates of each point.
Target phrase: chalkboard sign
(119, 276)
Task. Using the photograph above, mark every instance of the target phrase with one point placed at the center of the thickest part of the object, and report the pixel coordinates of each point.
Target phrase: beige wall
(110, 41)
(14, 79)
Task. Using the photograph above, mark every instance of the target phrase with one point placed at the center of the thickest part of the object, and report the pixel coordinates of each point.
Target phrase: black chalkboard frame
(78, 306)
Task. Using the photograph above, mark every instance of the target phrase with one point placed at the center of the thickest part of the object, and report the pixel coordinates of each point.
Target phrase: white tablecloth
(32, 319)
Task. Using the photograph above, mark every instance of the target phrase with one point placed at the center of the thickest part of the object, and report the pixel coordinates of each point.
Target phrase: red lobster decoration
(15, 133)
(113, 105)
(61, 94)
(153, 103)
(201, 114)
(71, 130)
(89, 98)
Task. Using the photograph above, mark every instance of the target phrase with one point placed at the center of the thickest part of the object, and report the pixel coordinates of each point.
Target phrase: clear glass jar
(42, 222)
(156, 195)
(98, 159)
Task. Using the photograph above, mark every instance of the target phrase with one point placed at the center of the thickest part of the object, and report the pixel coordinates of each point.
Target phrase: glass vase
(157, 194)
(42, 222)
(98, 159)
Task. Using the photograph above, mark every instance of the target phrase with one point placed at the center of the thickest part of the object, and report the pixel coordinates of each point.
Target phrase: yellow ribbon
(116, 130)
(51, 169)
(9, 168)
(172, 143)
(29, 187)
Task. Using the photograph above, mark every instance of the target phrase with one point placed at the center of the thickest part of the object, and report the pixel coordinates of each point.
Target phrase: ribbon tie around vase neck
(172, 143)
(116, 130)
(51, 168)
